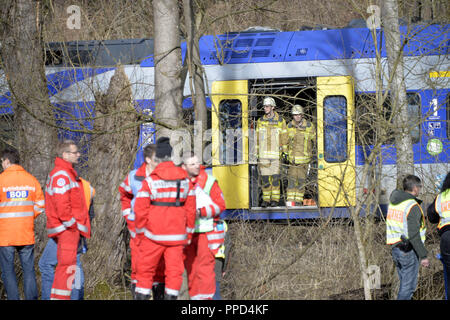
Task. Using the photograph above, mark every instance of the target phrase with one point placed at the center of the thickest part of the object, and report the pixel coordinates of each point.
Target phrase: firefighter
(271, 135)
(164, 219)
(302, 135)
(67, 216)
(208, 237)
(21, 201)
(128, 190)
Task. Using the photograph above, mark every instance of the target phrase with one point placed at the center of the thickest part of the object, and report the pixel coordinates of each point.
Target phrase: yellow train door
(229, 122)
(335, 141)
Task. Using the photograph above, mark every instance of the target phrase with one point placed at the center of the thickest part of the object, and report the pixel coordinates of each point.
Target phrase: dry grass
(328, 270)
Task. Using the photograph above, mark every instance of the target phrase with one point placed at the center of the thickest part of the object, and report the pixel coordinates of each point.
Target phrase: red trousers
(134, 253)
(200, 264)
(156, 259)
(159, 276)
(67, 245)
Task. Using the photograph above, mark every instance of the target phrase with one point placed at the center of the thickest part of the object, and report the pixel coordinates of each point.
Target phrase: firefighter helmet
(297, 109)
(269, 101)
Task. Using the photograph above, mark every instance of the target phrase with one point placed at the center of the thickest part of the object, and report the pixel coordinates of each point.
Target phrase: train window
(335, 128)
(373, 124)
(414, 115)
(230, 124)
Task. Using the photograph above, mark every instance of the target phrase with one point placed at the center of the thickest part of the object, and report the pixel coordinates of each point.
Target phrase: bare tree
(394, 50)
(193, 17)
(167, 59)
(110, 157)
(23, 63)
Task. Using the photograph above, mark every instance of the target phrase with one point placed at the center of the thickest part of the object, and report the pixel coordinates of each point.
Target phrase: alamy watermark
(74, 20)
(374, 20)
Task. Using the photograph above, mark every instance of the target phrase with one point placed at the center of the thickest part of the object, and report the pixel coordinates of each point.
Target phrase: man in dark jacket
(405, 233)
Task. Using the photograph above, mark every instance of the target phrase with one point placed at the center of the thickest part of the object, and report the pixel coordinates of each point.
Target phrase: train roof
(255, 47)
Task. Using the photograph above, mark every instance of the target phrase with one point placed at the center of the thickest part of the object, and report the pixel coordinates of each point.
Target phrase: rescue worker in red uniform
(21, 202)
(128, 190)
(165, 220)
(207, 238)
(67, 216)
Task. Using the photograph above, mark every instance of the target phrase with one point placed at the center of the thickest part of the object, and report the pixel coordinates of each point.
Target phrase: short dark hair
(12, 155)
(149, 150)
(63, 146)
(411, 181)
(446, 183)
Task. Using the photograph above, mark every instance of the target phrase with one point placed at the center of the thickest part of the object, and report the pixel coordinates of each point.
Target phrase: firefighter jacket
(300, 142)
(209, 219)
(65, 203)
(165, 206)
(21, 201)
(405, 217)
(128, 190)
(271, 137)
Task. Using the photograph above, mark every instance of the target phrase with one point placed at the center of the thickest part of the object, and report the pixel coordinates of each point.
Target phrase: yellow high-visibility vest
(397, 221)
(442, 207)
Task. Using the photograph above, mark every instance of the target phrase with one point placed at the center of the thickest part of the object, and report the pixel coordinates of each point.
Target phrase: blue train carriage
(332, 71)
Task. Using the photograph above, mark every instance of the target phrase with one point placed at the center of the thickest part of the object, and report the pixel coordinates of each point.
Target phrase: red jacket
(21, 201)
(216, 237)
(212, 211)
(158, 214)
(65, 204)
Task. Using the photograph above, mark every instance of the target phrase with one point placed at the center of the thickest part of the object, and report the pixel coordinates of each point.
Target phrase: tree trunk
(167, 57)
(193, 18)
(394, 50)
(23, 63)
(111, 156)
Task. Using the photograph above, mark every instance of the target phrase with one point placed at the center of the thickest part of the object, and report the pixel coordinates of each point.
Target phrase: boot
(265, 204)
(158, 291)
(274, 203)
(141, 296)
(170, 297)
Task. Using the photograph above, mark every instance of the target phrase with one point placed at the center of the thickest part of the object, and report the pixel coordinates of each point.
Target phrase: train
(331, 72)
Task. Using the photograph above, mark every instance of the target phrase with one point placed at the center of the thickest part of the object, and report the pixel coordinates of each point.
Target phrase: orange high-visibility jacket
(21, 201)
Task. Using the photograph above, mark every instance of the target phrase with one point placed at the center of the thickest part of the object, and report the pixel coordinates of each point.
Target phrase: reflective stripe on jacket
(397, 221)
(165, 206)
(65, 204)
(211, 216)
(300, 142)
(21, 201)
(442, 207)
(271, 135)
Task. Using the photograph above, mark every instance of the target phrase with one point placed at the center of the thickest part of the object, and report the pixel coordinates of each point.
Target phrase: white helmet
(297, 109)
(269, 101)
